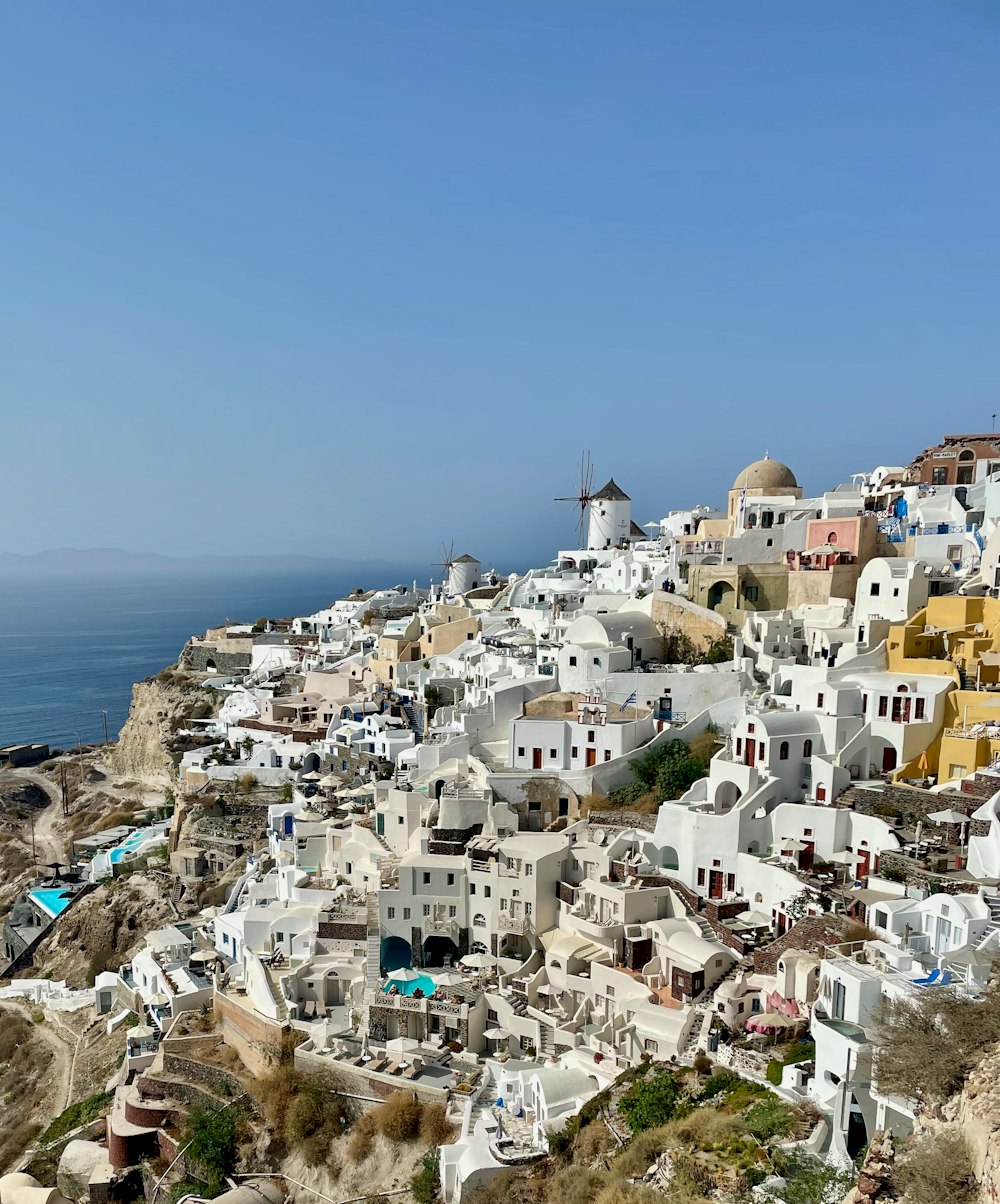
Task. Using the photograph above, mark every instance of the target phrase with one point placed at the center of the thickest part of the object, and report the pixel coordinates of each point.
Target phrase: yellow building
(957, 637)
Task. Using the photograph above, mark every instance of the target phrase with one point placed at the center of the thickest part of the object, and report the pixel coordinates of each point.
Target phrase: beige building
(762, 478)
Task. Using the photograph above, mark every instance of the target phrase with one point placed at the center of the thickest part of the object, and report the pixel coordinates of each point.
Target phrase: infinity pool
(130, 843)
(423, 983)
(52, 900)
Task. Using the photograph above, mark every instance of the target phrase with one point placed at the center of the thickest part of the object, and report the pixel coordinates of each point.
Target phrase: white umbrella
(790, 846)
(450, 978)
(548, 989)
(843, 857)
(403, 974)
(496, 1034)
(479, 961)
(140, 1032)
(948, 817)
(970, 957)
(312, 776)
(330, 782)
(401, 1046)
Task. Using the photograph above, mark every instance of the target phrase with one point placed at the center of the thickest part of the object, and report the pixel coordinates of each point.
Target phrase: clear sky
(353, 278)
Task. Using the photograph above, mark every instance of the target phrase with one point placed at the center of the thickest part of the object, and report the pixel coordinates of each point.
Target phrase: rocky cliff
(975, 1114)
(141, 749)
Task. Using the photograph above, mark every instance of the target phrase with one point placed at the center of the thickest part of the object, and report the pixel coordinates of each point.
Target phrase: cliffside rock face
(141, 749)
(874, 1184)
(975, 1111)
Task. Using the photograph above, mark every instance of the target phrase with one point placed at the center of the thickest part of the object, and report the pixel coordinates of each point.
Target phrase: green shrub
(77, 1114)
(425, 1185)
(650, 1102)
(768, 1118)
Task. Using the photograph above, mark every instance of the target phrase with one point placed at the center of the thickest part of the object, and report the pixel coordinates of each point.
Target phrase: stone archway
(396, 954)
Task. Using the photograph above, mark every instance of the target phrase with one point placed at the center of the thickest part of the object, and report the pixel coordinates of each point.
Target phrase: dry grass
(575, 1184)
(937, 1167)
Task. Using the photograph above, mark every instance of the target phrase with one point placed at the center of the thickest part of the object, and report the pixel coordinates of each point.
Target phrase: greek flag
(632, 698)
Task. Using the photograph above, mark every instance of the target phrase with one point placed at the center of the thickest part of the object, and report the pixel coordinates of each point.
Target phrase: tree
(247, 744)
(425, 1185)
(210, 1140)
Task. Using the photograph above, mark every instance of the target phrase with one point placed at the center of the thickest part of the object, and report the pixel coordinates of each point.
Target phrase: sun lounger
(393, 1068)
(930, 980)
(379, 1065)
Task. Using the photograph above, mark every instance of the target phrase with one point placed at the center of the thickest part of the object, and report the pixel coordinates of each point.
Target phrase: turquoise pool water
(52, 900)
(130, 843)
(423, 983)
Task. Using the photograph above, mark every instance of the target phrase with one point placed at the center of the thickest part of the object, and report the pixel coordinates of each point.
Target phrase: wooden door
(751, 752)
(536, 758)
(715, 881)
(591, 757)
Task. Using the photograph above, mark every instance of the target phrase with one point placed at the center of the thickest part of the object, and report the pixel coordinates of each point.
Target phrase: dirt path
(62, 1056)
(48, 848)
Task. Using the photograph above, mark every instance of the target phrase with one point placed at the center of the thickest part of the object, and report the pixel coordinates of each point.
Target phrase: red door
(751, 754)
(536, 758)
(866, 857)
(715, 884)
(888, 759)
(591, 757)
(807, 856)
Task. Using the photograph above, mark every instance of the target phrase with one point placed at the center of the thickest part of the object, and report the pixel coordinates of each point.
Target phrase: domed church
(762, 478)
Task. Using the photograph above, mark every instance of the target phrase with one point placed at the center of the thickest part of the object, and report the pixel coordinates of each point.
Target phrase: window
(807, 748)
(427, 878)
(954, 551)
(597, 661)
(883, 706)
(452, 911)
(591, 737)
(451, 879)
(839, 999)
(919, 705)
(520, 751)
(730, 886)
(572, 660)
(487, 891)
(472, 888)
(607, 754)
(739, 746)
(529, 869)
(406, 913)
(479, 920)
(875, 590)
(400, 820)
(783, 751)
(819, 699)
(574, 751)
(427, 909)
(939, 476)
(553, 753)
(701, 877)
(751, 592)
(392, 913)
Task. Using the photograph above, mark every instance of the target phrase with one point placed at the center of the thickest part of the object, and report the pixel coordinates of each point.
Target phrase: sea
(72, 648)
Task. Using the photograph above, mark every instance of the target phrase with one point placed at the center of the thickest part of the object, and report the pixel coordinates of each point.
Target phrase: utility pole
(34, 860)
(104, 716)
(65, 790)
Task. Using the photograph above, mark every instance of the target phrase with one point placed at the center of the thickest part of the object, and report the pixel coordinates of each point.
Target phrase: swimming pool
(424, 983)
(52, 900)
(130, 844)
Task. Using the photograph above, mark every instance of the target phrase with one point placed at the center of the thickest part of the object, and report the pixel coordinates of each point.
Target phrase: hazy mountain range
(111, 562)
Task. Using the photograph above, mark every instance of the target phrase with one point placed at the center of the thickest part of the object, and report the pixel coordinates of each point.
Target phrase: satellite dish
(600, 836)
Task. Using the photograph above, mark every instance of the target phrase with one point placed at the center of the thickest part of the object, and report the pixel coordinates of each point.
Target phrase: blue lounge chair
(930, 980)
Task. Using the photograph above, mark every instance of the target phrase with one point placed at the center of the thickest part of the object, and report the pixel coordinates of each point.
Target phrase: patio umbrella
(479, 961)
(791, 846)
(769, 1022)
(973, 958)
(948, 817)
(843, 857)
(202, 957)
(450, 978)
(496, 1034)
(158, 1001)
(141, 1032)
(548, 989)
(756, 919)
(330, 782)
(401, 1046)
(403, 974)
(312, 776)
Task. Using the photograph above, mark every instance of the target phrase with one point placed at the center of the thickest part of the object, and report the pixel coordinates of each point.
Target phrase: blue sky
(348, 279)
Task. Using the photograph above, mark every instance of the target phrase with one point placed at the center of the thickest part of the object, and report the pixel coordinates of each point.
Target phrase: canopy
(140, 1032)
(970, 957)
(449, 978)
(496, 1034)
(312, 776)
(401, 1046)
(203, 956)
(158, 1001)
(330, 782)
(791, 846)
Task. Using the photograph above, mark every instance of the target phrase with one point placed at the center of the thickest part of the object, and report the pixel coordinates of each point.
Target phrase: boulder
(76, 1166)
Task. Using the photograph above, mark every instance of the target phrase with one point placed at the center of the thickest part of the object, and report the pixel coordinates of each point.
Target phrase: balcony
(509, 923)
(447, 927)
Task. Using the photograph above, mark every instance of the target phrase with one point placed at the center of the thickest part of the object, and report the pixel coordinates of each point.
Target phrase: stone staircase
(177, 891)
(993, 903)
(414, 717)
(547, 1041)
(373, 958)
(697, 1037)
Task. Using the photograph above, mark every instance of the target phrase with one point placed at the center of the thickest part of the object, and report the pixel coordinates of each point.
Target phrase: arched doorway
(669, 859)
(396, 954)
(727, 796)
(721, 593)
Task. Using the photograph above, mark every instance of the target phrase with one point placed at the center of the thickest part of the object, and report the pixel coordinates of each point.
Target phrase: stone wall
(671, 613)
(256, 1039)
(810, 934)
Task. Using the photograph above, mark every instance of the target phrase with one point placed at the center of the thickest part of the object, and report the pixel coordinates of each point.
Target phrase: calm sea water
(70, 649)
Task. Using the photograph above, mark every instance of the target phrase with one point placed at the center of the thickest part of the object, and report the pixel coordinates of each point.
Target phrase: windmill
(582, 499)
(448, 553)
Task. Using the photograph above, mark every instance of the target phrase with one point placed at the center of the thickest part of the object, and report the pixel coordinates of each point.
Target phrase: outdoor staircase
(177, 891)
(373, 959)
(697, 1036)
(414, 717)
(965, 680)
(547, 1041)
(993, 903)
(233, 902)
